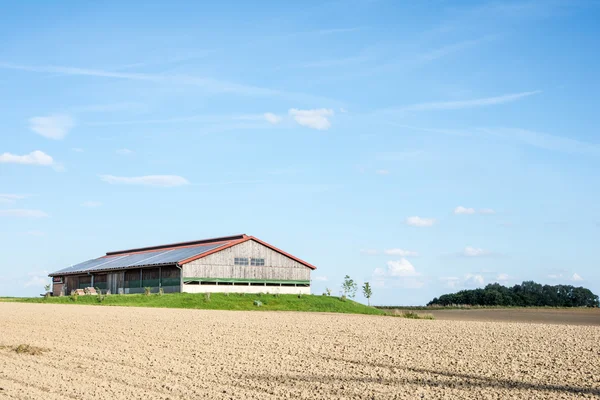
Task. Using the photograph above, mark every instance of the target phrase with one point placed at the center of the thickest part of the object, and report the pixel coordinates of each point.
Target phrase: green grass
(217, 301)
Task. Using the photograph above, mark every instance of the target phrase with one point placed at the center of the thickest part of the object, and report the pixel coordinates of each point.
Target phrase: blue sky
(424, 146)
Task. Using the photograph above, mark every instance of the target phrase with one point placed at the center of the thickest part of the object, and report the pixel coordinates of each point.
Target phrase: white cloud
(463, 210)
(37, 278)
(209, 84)
(464, 104)
(576, 278)
(370, 252)
(460, 210)
(420, 222)
(450, 281)
(148, 180)
(401, 253)
(22, 213)
(343, 110)
(382, 172)
(35, 233)
(315, 119)
(272, 118)
(555, 276)
(502, 278)
(475, 252)
(321, 278)
(544, 140)
(398, 268)
(11, 198)
(53, 126)
(34, 158)
(124, 152)
(474, 280)
(91, 204)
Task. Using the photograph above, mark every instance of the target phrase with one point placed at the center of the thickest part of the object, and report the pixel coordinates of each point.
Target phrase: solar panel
(143, 259)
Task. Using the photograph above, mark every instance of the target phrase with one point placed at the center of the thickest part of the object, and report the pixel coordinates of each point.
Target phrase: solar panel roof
(139, 259)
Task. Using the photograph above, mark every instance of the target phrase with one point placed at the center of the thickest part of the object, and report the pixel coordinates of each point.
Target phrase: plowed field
(146, 353)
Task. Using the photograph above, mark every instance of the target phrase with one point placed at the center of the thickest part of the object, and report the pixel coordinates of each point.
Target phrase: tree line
(527, 294)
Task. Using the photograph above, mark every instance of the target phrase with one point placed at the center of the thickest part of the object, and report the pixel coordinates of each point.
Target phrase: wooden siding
(221, 264)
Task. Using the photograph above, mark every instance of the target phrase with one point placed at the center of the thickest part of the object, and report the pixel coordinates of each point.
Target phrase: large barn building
(237, 264)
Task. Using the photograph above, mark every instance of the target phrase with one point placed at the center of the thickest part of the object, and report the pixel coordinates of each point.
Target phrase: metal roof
(139, 259)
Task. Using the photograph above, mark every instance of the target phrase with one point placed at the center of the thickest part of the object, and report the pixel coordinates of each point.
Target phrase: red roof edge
(245, 239)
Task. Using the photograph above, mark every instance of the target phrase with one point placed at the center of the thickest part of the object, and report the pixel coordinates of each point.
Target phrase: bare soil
(148, 353)
(573, 316)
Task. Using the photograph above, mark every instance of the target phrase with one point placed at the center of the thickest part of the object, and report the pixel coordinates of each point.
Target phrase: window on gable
(240, 261)
(259, 262)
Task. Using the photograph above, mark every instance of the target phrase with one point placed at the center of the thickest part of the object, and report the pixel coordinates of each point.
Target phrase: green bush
(147, 290)
(258, 303)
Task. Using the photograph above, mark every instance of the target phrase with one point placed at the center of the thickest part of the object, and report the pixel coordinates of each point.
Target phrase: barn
(237, 264)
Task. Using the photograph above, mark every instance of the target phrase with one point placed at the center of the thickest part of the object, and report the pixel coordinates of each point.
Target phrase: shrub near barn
(528, 294)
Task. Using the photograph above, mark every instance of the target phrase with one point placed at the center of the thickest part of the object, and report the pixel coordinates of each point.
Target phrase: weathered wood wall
(221, 264)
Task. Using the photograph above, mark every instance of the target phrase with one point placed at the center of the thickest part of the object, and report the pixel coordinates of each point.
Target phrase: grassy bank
(218, 301)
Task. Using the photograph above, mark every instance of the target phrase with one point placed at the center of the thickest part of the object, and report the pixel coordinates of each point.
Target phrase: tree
(367, 292)
(349, 287)
(526, 294)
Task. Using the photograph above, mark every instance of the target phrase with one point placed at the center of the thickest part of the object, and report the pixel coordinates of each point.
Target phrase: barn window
(240, 261)
(259, 262)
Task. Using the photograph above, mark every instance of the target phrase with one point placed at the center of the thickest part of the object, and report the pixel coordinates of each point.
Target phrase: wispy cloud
(11, 198)
(460, 210)
(272, 118)
(465, 104)
(34, 158)
(148, 180)
(545, 141)
(382, 172)
(124, 152)
(315, 119)
(370, 252)
(320, 278)
(22, 213)
(474, 280)
(91, 204)
(55, 126)
(112, 107)
(77, 149)
(475, 252)
(449, 49)
(420, 222)
(37, 278)
(401, 253)
(209, 84)
(464, 210)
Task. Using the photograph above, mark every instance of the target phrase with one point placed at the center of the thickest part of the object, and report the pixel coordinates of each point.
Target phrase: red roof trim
(233, 243)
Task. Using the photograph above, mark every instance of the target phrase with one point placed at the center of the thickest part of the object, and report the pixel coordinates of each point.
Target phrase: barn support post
(92, 280)
(141, 278)
(180, 277)
(159, 277)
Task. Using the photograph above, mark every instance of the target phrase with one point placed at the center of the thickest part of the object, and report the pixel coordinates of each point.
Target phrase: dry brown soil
(573, 316)
(143, 353)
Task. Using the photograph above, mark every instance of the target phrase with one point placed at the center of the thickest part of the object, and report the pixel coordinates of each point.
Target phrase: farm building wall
(221, 265)
(218, 272)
